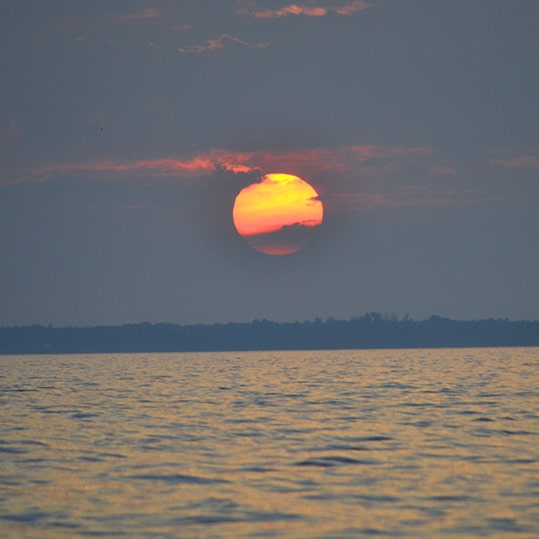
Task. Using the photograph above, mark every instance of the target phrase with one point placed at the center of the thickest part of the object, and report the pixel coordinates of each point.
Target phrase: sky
(128, 128)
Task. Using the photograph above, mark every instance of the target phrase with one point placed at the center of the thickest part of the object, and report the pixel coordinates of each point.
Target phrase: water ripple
(178, 479)
(333, 444)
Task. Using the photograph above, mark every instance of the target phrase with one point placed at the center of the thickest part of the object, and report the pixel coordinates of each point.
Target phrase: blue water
(329, 444)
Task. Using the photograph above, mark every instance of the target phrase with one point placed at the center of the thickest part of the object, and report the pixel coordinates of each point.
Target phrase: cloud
(307, 161)
(314, 161)
(411, 196)
(520, 161)
(195, 166)
(351, 7)
(216, 44)
(203, 164)
(438, 170)
(354, 161)
(346, 8)
(141, 15)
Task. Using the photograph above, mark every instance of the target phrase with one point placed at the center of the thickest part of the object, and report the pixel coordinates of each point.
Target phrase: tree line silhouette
(372, 330)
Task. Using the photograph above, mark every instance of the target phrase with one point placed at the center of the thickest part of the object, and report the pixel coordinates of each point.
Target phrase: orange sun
(277, 215)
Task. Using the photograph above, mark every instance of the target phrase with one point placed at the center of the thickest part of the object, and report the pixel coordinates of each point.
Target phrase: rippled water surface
(385, 443)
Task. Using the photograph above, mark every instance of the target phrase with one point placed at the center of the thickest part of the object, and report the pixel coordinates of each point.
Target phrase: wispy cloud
(202, 164)
(345, 8)
(354, 161)
(315, 161)
(528, 160)
(411, 196)
(436, 169)
(310, 161)
(140, 15)
(216, 44)
(195, 166)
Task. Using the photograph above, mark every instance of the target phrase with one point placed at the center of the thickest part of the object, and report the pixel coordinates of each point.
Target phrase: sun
(277, 215)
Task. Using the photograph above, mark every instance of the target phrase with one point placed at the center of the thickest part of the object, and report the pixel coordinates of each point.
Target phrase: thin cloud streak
(411, 196)
(217, 44)
(346, 9)
(324, 160)
(141, 15)
(441, 170)
(306, 161)
(521, 161)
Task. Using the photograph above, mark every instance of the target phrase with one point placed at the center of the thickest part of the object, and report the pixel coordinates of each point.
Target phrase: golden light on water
(277, 215)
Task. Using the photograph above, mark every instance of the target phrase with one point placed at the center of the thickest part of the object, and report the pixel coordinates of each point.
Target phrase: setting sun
(276, 215)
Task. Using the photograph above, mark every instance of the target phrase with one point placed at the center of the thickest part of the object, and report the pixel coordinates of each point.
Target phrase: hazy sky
(127, 128)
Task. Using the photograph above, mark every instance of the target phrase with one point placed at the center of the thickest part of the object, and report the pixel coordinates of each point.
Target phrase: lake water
(328, 444)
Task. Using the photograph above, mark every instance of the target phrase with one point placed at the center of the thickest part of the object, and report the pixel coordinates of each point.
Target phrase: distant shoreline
(370, 331)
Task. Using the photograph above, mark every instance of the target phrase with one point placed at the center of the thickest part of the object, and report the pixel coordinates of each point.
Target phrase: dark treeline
(371, 330)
